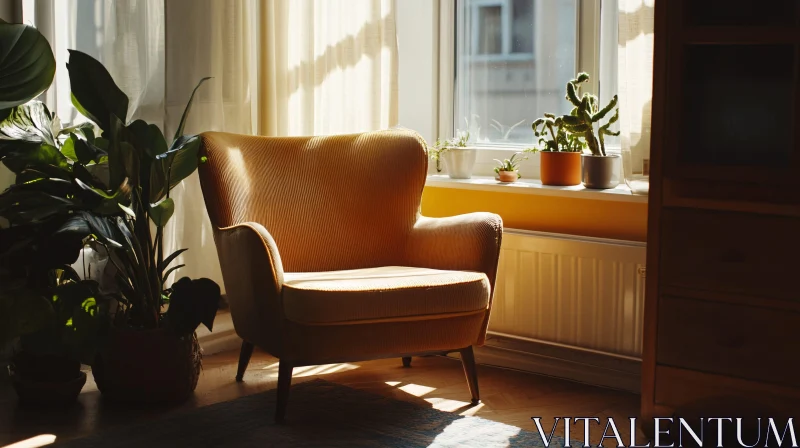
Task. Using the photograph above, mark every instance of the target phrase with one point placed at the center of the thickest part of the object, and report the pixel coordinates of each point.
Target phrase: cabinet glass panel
(738, 105)
(740, 12)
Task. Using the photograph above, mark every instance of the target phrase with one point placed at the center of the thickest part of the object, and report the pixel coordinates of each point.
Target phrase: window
(501, 29)
(512, 61)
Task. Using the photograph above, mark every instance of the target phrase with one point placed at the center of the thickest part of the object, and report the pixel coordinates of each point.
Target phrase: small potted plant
(560, 152)
(507, 170)
(459, 157)
(598, 167)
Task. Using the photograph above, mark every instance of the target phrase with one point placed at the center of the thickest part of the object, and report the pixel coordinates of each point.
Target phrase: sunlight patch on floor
(444, 404)
(473, 410)
(34, 442)
(416, 389)
(322, 369)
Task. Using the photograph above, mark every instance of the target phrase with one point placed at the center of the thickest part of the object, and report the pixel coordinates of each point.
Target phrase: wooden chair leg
(406, 361)
(284, 384)
(468, 361)
(244, 359)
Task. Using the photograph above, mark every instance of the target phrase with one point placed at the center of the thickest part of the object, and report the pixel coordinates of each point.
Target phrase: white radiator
(574, 291)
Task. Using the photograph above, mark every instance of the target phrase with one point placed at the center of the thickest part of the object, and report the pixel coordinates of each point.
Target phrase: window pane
(522, 26)
(500, 92)
(490, 37)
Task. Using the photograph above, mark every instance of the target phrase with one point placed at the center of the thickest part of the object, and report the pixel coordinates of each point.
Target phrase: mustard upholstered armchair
(326, 258)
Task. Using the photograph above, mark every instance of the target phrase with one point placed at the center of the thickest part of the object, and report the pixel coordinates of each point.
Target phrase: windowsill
(534, 186)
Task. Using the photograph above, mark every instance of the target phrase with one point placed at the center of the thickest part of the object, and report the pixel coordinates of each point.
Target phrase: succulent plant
(586, 113)
(510, 164)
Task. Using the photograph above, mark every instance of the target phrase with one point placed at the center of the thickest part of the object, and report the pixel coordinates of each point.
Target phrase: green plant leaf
(128, 211)
(85, 129)
(176, 165)
(169, 259)
(30, 207)
(27, 64)
(185, 116)
(147, 138)
(23, 311)
(94, 92)
(191, 303)
(18, 157)
(116, 159)
(30, 122)
(106, 203)
(165, 275)
(161, 213)
(68, 149)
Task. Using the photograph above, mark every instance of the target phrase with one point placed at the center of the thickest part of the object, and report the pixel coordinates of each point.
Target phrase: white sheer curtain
(327, 66)
(206, 38)
(635, 59)
(127, 36)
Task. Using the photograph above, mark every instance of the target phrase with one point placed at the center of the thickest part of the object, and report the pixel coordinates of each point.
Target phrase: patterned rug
(320, 414)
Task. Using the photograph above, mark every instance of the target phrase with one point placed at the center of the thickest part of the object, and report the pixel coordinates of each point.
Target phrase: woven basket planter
(148, 366)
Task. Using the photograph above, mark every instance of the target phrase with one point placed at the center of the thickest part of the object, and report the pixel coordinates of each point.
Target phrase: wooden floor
(508, 396)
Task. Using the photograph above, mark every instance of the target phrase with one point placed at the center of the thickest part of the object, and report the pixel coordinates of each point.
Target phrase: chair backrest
(334, 202)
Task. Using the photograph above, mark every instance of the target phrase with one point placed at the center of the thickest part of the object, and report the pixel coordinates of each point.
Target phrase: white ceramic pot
(600, 172)
(459, 162)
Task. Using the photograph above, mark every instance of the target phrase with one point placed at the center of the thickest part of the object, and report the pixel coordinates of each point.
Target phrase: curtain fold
(635, 77)
(205, 38)
(327, 66)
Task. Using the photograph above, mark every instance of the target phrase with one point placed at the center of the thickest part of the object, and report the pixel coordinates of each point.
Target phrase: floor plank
(508, 396)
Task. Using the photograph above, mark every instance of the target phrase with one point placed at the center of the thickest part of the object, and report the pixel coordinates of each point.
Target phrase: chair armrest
(253, 275)
(469, 242)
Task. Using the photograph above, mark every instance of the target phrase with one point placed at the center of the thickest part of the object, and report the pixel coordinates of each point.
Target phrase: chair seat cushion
(381, 293)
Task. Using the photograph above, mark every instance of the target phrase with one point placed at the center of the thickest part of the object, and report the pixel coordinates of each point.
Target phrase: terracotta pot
(507, 176)
(560, 168)
(148, 366)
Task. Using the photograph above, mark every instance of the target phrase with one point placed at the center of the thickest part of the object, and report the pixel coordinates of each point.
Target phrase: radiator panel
(582, 292)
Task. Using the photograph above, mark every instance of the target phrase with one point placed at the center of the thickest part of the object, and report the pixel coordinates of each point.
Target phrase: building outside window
(512, 61)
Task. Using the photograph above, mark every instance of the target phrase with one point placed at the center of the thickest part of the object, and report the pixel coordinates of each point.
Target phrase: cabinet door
(738, 107)
(740, 12)
(733, 92)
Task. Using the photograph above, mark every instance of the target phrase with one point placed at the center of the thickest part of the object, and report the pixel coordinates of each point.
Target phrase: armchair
(326, 259)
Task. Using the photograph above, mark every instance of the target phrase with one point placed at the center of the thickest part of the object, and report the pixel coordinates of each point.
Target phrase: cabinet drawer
(678, 389)
(739, 253)
(747, 342)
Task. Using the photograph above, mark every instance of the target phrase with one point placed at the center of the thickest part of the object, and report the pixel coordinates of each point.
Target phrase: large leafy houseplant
(100, 183)
(142, 169)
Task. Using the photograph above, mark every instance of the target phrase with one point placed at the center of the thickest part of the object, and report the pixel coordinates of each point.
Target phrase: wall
(578, 216)
(418, 63)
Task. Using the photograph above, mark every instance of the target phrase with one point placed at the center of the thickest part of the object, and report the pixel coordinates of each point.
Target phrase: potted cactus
(560, 151)
(458, 156)
(507, 170)
(598, 167)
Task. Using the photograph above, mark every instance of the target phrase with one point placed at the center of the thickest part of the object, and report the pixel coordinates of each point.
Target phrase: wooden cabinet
(722, 311)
